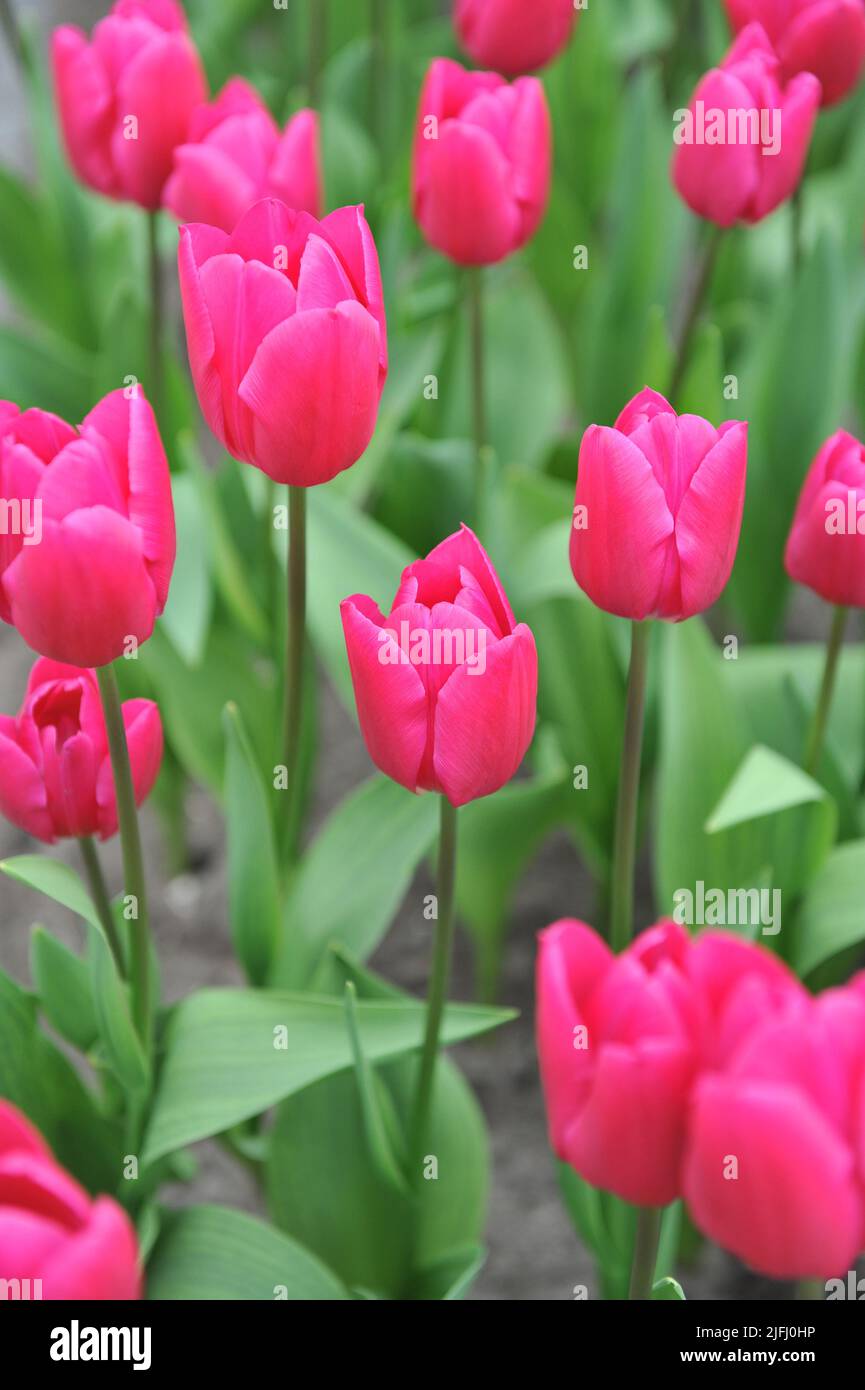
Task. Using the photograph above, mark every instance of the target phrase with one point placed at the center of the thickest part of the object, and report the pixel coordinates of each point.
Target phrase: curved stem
(155, 385)
(817, 731)
(135, 886)
(645, 1253)
(294, 653)
(101, 900)
(439, 977)
(694, 297)
(624, 847)
(479, 412)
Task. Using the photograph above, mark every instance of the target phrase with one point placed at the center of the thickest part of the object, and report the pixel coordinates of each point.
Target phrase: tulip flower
(481, 170)
(623, 1039)
(87, 554)
(826, 552)
(125, 98)
(55, 769)
(774, 1166)
(825, 37)
(446, 683)
(52, 1234)
(234, 155)
(285, 327)
(741, 144)
(511, 36)
(658, 510)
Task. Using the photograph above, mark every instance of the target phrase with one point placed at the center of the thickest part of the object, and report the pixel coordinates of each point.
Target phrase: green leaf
(46, 371)
(211, 1252)
(831, 917)
(450, 1277)
(190, 601)
(230, 1054)
(372, 1103)
(63, 984)
(123, 1049)
(57, 881)
(667, 1290)
(253, 876)
(354, 876)
(37, 1078)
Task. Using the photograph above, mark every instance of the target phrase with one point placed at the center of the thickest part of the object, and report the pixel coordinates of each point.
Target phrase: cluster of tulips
(672, 1067)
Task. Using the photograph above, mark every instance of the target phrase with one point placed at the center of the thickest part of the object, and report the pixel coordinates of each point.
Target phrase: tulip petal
(99, 1262)
(206, 186)
(709, 520)
(718, 181)
(464, 201)
(18, 1135)
(827, 39)
(295, 171)
(161, 87)
(144, 739)
(391, 698)
(780, 173)
(23, 799)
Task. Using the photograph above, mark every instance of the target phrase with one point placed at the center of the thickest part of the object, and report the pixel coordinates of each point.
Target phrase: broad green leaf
(37, 1078)
(379, 1124)
(56, 880)
(63, 984)
(212, 1252)
(46, 371)
(190, 601)
(831, 917)
(123, 1049)
(230, 1054)
(668, 1290)
(354, 876)
(253, 875)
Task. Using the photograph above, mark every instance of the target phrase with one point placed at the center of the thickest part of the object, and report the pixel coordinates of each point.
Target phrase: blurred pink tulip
(235, 155)
(826, 545)
(481, 169)
(622, 1039)
(825, 37)
(126, 97)
(741, 146)
(55, 769)
(658, 510)
(446, 683)
(774, 1169)
(75, 1246)
(285, 327)
(86, 563)
(511, 36)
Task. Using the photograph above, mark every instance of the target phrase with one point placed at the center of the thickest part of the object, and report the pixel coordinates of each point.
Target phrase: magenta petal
(23, 800)
(485, 720)
(709, 520)
(391, 698)
(718, 181)
(295, 170)
(780, 173)
(827, 38)
(100, 1261)
(206, 186)
(465, 202)
(161, 87)
(144, 739)
(312, 390)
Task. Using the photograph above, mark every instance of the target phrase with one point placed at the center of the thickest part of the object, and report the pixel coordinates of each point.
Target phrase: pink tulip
(775, 1167)
(236, 155)
(87, 550)
(826, 545)
(125, 98)
(658, 510)
(285, 327)
(481, 170)
(55, 769)
(826, 37)
(765, 127)
(622, 1039)
(446, 684)
(67, 1244)
(511, 36)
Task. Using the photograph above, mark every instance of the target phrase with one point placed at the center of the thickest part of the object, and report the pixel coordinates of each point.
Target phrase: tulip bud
(285, 327)
(826, 545)
(126, 97)
(825, 37)
(446, 684)
(511, 36)
(235, 155)
(55, 768)
(773, 1169)
(742, 143)
(481, 169)
(52, 1232)
(622, 1040)
(658, 510)
(85, 566)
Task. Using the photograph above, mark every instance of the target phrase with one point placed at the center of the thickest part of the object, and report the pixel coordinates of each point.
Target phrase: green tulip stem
(317, 49)
(478, 387)
(645, 1253)
(624, 847)
(439, 977)
(101, 900)
(693, 303)
(294, 653)
(135, 887)
(378, 69)
(155, 386)
(817, 731)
